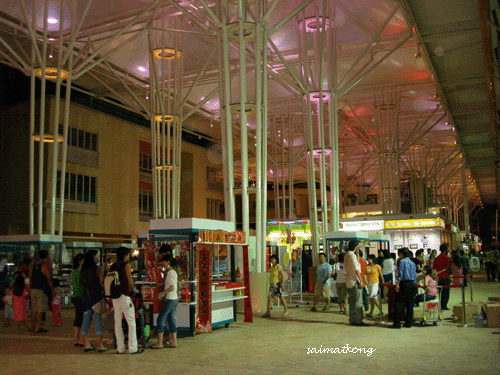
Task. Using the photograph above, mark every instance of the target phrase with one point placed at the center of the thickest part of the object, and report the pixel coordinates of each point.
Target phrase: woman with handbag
(92, 300)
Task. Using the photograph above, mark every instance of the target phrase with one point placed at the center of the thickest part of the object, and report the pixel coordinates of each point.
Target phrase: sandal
(78, 344)
(266, 315)
(91, 349)
(156, 347)
(41, 330)
(103, 350)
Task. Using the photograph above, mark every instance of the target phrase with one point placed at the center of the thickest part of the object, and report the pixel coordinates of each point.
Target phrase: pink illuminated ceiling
(401, 89)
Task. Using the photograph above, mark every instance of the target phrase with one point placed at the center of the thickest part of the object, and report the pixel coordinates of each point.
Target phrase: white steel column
(166, 77)
(49, 61)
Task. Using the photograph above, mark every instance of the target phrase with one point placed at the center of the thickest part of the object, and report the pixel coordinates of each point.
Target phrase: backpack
(113, 288)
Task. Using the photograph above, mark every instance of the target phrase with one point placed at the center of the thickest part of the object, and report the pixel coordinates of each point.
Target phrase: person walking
(275, 286)
(323, 282)
(354, 284)
(405, 289)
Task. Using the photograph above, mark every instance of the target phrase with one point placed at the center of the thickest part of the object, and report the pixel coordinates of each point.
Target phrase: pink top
(457, 272)
(19, 306)
(432, 286)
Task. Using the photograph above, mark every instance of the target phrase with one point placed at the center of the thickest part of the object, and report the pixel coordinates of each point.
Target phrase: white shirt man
(354, 284)
(352, 269)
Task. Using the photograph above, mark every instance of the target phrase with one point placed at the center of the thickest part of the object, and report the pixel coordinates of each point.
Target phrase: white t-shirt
(387, 266)
(171, 279)
(351, 266)
(340, 272)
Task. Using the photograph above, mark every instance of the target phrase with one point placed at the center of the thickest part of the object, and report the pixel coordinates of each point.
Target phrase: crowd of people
(32, 288)
(364, 284)
(29, 293)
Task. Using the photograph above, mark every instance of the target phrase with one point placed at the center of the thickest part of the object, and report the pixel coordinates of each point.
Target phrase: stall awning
(347, 236)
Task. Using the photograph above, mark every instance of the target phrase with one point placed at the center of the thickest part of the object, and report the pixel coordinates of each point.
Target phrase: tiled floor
(275, 346)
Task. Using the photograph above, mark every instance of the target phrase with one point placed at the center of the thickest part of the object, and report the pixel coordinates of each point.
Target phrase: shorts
(373, 291)
(322, 290)
(9, 312)
(341, 292)
(39, 301)
(275, 290)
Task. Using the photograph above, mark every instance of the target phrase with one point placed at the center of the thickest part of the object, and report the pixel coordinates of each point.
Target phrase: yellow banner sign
(414, 223)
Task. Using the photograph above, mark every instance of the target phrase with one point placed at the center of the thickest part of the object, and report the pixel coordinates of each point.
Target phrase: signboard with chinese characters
(203, 254)
(414, 223)
(353, 226)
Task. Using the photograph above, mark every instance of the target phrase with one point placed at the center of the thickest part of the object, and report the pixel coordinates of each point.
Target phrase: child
(56, 303)
(9, 312)
(19, 294)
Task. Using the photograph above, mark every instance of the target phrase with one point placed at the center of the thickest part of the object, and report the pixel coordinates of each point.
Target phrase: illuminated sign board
(414, 223)
(353, 226)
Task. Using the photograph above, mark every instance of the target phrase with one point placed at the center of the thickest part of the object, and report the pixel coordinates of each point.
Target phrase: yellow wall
(118, 175)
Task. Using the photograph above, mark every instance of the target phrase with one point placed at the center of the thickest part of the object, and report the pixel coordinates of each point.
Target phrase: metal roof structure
(413, 78)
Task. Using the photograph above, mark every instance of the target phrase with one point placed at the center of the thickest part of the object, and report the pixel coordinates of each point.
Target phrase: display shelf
(228, 299)
(221, 243)
(226, 290)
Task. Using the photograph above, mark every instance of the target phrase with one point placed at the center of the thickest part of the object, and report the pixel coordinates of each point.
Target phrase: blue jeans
(420, 298)
(87, 319)
(168, 312)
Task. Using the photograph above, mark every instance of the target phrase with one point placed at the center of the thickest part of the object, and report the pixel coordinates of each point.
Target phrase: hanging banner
(203, 258)
(246, 281)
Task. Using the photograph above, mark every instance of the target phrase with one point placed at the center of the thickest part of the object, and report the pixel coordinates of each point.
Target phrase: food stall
(208, 272)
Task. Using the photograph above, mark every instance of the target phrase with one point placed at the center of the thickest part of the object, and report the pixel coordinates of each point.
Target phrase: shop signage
(352, 226)
(414, 223)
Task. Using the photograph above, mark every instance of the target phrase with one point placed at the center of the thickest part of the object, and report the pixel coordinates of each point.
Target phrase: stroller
(140, 320)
